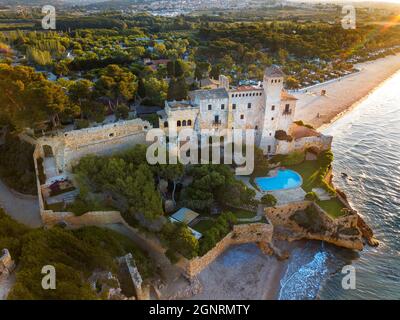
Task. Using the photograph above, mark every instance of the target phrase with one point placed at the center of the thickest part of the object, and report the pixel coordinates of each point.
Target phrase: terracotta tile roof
(246, 88)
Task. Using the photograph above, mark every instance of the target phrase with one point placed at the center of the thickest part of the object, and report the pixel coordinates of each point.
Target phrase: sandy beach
(343, 94)
(242, 272)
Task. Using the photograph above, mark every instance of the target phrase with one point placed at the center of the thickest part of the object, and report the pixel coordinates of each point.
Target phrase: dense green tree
(122, 112)
(215, 183)
(177, 89)
(172, 172)
(117, 85)
(156, 90)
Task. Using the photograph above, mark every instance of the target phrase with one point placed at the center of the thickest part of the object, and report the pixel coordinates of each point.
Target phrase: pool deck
(282, 196)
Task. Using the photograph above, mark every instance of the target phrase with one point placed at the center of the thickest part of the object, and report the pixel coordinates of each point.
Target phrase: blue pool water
(285, 179)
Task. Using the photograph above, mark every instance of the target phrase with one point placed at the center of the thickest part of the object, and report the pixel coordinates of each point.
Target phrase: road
(24, 209)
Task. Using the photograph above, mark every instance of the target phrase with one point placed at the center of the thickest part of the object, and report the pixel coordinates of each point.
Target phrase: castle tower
(223, 82)
(273, 83)
(273, 86)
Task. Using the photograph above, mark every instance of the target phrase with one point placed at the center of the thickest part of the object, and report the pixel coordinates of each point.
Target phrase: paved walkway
(289, 195)
(246, 181)
(322, 194)
(24, 209)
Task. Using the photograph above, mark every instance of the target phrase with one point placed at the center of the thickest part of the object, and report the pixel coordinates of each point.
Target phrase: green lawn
(332, 207)
(309, 172)
(203, 225)
(240, 213)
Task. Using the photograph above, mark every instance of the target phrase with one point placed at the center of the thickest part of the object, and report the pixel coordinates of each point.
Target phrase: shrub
(282, 135)
(178, 238)
(220, 229)
(16, 165)
(309, 219)
(122, 112)
(268, 200)
(81, 124)
(75, 255)
(172, 257)
(311, 196)
(301, 123)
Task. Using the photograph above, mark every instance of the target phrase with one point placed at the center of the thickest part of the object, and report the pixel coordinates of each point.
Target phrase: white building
(266, 108)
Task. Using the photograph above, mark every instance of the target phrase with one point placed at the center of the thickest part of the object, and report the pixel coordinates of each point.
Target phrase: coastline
(343, 95)
(311, 103)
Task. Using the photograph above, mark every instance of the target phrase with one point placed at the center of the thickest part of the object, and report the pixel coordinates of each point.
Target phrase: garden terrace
(314, 174)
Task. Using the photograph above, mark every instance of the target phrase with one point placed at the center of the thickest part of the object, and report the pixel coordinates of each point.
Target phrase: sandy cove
(343, 94)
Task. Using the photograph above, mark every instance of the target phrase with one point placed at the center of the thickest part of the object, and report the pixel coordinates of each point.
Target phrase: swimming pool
(284, 179)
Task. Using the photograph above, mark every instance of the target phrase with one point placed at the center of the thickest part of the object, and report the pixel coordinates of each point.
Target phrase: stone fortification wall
(282, 216)
(69, 147)
(322, 143)
(95, 218)
(247, 233)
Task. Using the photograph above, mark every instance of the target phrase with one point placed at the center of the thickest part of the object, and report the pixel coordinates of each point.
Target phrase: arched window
(184, 123)
(178, 124)
(166, 124)
(189, 123)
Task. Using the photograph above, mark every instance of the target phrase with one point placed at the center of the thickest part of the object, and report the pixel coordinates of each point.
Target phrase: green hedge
(268, 200)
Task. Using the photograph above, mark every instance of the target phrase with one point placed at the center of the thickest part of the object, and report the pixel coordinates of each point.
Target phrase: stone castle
(266, 108)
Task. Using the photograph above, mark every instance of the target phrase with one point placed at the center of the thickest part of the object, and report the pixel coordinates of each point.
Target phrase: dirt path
(24, 209)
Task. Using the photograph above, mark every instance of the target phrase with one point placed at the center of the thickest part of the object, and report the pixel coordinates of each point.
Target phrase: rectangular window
(209, 107)
(222, 106)
(234, 106)
(269, 149)
(242, 116)
(249, 106)
(287, 108)
(273, 108)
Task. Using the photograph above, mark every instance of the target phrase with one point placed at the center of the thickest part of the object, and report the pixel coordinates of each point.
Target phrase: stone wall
(69, 147)
(280, 216)
(142, 291)
(95, 218)
(246, 233)
(37, 153)
(322, 143)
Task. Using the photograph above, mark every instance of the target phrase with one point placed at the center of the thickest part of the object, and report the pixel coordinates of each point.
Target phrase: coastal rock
(367, 232)
(296, 221)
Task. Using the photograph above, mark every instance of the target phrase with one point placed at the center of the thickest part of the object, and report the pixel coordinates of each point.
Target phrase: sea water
(366, 147)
